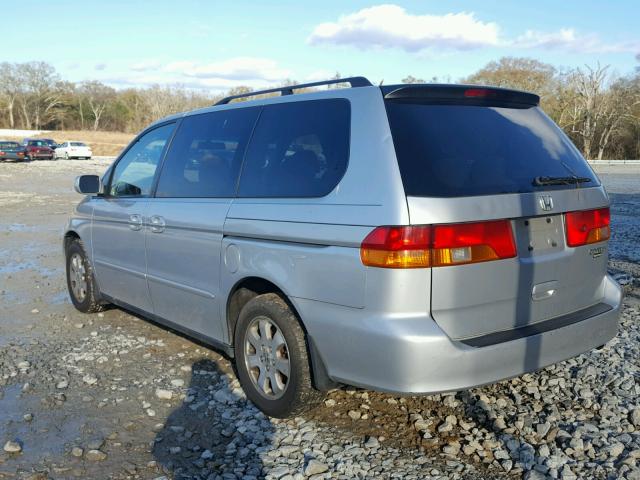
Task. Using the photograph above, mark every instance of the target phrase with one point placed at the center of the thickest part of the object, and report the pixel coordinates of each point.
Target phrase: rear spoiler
(460, 94)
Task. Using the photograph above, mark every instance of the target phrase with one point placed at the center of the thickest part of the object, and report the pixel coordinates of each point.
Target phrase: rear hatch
(470, 155)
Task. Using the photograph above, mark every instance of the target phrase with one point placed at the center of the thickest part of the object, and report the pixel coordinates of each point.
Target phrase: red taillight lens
(472, 242)
(588, 226)
(438, 245)
(1, 152)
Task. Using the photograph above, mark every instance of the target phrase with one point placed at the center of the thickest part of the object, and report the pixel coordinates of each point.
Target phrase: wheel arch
(250, 287)
(69, 236)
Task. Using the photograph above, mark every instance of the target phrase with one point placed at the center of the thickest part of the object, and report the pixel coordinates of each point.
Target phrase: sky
(215, 45)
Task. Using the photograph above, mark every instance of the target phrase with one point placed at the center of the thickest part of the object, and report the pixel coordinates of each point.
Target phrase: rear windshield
(78, 144)
(465, 150)
(9, 145)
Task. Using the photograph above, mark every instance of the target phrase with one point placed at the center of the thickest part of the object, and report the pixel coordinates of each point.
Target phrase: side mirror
(88, 184)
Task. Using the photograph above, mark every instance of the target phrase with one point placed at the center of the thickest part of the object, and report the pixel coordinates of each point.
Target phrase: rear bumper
(414, 356)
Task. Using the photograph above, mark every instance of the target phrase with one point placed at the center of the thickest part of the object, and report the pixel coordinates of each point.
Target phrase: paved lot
(113, 396)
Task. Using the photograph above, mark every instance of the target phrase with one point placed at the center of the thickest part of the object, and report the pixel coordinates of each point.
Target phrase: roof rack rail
(288, 90)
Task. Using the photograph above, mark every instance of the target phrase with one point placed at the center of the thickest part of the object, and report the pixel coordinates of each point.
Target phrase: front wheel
(80, 281)
(272, 360)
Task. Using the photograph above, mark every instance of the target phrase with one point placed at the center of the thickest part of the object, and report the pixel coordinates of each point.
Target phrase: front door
(187, 215)
(119, 219)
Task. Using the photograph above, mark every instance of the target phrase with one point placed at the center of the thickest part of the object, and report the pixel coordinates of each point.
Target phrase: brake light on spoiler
(421, 246)
(587, 226)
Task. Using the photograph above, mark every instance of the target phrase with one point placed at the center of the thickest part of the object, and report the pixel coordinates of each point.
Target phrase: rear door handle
(135, 222)
(157, 224)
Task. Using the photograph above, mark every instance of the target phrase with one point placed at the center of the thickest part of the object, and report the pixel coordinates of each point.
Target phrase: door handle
(157, 224)
(544, 290)
(135, 222)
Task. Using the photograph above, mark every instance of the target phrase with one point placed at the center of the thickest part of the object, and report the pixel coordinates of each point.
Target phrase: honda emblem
(546, 202)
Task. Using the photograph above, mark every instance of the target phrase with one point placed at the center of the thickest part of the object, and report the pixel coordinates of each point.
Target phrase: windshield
(38, 143)
(466, 150)
(77, 144)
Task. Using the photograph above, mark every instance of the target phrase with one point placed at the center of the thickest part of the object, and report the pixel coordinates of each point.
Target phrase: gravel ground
(114, 396)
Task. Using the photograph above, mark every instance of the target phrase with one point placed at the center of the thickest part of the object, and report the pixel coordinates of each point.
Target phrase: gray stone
(315, 467)
(13, 446)
(95, 456)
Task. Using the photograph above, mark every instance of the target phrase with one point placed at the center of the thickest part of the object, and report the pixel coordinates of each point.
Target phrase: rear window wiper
(573, 180)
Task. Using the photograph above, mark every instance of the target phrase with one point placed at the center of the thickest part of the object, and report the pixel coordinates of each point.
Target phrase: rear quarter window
(298, 149)
(466, 150)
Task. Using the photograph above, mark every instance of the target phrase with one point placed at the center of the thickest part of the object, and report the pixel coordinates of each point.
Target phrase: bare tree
(10, 89)
(97, 96)
(593, 109)
(40, 94)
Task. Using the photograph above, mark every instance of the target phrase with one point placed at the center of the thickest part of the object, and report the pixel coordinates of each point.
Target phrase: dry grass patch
(102, 143)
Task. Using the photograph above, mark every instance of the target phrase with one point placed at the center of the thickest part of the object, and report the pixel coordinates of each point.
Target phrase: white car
(69, 150)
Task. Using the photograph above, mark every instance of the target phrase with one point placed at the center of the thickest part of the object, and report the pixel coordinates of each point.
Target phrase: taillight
(587, 226)
(480, 93)
(1, 152)
(397, 247)
(438, 245)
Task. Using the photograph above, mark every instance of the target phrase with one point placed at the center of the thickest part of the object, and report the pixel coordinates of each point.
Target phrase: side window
(134, 173)
(299, 149)
(206, 154)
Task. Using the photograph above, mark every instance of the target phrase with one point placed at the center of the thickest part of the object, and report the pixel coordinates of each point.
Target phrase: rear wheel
(271, 358)
(80, 281)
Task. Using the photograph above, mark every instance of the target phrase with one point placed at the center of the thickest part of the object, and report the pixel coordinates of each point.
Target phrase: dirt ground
(72, 384)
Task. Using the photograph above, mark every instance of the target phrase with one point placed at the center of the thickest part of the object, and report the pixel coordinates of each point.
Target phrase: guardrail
(614, 162)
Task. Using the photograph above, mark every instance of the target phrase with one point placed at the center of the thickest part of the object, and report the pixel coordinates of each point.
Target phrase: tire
(293, 394)
(81, 284)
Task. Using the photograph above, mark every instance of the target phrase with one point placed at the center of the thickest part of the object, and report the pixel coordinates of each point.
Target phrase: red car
(38, 150)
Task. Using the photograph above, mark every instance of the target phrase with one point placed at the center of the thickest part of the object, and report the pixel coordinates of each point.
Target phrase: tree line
(597, 108)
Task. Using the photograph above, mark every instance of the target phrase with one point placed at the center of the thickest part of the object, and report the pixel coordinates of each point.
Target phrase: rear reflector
(587, 226)
(423, 246)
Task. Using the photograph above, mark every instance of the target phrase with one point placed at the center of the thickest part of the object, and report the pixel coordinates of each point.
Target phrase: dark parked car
(50, 142)
(12, 151)
(38, 149)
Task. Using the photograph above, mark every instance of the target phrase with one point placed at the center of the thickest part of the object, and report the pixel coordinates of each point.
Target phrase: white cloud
(392, 26)
(146, 65)
(238, 68)
(215, 76)
(569, 39)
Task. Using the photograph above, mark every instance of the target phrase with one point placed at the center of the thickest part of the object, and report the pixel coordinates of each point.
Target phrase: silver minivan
(404, 238)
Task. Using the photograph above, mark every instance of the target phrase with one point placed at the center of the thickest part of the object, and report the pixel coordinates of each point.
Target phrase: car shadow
(215, 431)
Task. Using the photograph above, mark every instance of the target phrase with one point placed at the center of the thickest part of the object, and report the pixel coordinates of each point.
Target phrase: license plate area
(539, 235)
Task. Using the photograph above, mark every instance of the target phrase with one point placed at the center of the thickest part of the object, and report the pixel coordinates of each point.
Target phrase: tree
(412, 79)
(10, 89)
(40, 94)
(516, 72)
(97, 96)
(589, 105)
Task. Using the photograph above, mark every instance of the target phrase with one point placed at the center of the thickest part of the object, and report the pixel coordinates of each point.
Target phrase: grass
(101, 143)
